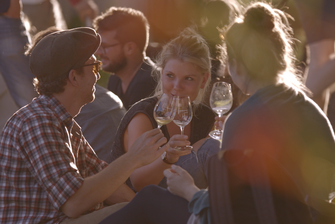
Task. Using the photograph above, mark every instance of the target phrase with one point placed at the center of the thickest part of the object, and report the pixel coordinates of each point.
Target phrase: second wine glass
(164, 110)
(183, 116)
(221, 101)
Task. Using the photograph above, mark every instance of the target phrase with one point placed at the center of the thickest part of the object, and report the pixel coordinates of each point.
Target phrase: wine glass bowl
(221, 101)
(183, 116)
(164, 110)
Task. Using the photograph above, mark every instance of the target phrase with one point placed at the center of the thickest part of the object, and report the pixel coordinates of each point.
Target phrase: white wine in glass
(183, 116)
(164, 110)
(221, 101)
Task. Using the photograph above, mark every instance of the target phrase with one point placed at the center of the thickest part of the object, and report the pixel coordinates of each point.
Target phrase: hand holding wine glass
(183, 116)
(164, 110)
(221, 101)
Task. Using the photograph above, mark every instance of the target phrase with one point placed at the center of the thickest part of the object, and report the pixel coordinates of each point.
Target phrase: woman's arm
(151, 173)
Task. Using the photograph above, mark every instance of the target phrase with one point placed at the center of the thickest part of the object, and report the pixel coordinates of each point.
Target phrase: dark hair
(220, 12)
(217, 15)
(129, 24)
(47, 85)
(261, 40)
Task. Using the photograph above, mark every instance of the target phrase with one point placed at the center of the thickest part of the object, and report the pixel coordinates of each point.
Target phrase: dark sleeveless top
(201, 124)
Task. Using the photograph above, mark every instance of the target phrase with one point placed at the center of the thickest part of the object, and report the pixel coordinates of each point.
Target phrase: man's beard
(116, 66)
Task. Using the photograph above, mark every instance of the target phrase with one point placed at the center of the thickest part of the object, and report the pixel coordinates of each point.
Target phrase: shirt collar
(59, 109)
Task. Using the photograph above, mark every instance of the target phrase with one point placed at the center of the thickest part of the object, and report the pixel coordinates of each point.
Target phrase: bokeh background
(168, 17)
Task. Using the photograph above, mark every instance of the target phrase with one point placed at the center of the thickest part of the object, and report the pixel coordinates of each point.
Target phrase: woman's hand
(180, 182)
(177, 140)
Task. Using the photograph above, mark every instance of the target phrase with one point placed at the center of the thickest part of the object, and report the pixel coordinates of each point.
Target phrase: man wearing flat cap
(48, 171)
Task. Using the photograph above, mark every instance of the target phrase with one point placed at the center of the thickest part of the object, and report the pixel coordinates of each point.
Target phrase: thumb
(177, 169)
(168, 172)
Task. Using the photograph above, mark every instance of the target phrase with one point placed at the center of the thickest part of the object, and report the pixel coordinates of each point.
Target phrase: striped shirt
(43, 161)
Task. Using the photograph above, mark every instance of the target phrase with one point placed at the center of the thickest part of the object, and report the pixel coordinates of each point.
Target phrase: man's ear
(130, 48)
(73, 77)
(204, 80)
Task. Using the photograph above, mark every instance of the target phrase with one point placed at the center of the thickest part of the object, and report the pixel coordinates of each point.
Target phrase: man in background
(125, 36)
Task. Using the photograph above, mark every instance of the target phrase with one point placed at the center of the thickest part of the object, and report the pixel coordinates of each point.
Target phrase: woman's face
(182, 79)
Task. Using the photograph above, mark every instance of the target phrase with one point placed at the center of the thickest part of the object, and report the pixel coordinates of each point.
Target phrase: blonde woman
(183, 70)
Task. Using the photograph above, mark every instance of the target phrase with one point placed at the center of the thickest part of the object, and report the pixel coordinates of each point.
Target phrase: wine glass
(221, 101)
(164, 109)
(183, 116)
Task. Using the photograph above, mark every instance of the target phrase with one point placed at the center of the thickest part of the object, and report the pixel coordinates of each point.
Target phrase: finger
(177, 169)
(185, 152)
(175, 144)
(152, 132)
(164, 148)
(161, 141)
(180, 137)
(179, 142)
(158, 136)
(152, 137)
(174, 152)
(167, 173)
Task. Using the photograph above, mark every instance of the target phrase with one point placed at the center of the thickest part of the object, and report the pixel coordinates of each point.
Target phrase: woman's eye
(189, 79)
(169, 75)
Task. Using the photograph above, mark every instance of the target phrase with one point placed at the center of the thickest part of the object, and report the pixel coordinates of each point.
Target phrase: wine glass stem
(159, 126)
(182, 129)
(219, 115)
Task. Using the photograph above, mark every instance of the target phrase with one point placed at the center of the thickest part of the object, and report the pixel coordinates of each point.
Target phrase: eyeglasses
(108, 46)
(96, 66)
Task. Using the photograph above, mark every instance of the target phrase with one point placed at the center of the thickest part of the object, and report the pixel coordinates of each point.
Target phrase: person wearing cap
(99, 119)
(125, 36)
(48, 171)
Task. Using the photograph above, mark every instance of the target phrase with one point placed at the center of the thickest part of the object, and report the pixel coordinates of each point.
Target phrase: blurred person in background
(43, 14)
(14, 65)
(216, 16)
(124, 40)
(7, 104)
(318, 21)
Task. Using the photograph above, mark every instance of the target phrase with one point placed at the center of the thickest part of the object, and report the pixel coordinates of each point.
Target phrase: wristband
(164, 158)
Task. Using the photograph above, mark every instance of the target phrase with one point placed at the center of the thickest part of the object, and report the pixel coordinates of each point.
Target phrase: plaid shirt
(43, 161)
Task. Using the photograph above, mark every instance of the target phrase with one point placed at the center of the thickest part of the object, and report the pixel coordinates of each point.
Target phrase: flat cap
(59, 52)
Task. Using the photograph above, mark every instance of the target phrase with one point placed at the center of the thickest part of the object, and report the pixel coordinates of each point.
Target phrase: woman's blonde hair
(189, 46)
(262, 41)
